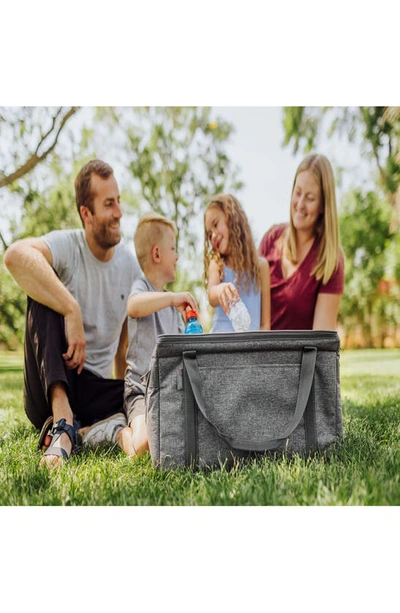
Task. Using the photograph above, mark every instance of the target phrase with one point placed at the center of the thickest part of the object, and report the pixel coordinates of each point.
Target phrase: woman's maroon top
(293, 299)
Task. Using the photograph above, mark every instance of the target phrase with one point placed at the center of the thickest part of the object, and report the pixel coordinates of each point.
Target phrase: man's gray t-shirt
(101, 290)
(143, 333)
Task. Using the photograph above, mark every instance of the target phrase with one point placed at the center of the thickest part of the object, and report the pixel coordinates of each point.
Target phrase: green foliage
(34, 135)
(392, 173)
(301, 127)
(362, 471)
(374, 129)
(358, 215)
(31, 134)
(393, 256)
(53, 209)
(366, 238)
(177, 157)
(12, 310)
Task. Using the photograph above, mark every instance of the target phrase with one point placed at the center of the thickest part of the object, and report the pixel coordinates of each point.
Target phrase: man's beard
(105, 237)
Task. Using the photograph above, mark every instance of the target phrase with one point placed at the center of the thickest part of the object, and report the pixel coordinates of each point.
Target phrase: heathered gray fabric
(249, 383)
(101, 290)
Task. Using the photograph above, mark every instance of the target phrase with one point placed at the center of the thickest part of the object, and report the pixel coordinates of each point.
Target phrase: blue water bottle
(192, 325)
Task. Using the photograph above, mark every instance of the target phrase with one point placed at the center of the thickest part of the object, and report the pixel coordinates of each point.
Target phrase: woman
(305, 258)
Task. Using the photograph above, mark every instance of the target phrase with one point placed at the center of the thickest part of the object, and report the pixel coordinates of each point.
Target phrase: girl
(233, 270)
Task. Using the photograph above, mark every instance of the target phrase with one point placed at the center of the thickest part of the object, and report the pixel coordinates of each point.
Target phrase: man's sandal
(45, 435)
(57, 430)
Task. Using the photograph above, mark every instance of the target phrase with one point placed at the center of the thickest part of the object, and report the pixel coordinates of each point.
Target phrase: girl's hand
(227, 296)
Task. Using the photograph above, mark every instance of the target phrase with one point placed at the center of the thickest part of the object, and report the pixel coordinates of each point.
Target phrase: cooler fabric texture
(213, 397)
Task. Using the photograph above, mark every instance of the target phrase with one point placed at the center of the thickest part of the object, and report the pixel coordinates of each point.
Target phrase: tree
(177, 156)
(31, 135)
(366, 301)
(376, 129)
(52, 209)
(12, 310)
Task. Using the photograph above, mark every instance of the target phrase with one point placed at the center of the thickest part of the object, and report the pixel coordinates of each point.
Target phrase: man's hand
(75, 334)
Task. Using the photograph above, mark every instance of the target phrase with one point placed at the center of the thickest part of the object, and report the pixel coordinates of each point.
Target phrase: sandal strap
(59, 428)
(56, 451)
(46, 429)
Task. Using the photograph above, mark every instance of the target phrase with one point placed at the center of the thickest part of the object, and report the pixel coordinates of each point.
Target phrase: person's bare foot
(124, 439)
(140, 441)
(133, 439)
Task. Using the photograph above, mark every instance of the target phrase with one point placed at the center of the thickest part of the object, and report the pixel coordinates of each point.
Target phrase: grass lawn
(364, 470)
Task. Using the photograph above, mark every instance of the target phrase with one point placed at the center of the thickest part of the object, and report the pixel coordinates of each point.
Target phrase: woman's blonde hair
(243, 252)
(327, 225)
(150, 231)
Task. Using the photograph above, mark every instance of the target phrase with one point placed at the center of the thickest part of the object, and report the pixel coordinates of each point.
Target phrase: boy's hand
(182, 300)
(227, 296)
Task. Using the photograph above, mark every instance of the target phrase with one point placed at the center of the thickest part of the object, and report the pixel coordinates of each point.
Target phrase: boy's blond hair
(149, 233)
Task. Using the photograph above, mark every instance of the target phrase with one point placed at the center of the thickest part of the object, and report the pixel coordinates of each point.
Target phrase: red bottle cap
(190, 313)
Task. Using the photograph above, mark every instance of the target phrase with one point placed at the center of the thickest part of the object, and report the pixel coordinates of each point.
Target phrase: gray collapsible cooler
(213, 397)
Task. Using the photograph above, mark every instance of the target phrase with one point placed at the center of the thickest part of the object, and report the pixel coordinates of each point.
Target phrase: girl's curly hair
(243, 252)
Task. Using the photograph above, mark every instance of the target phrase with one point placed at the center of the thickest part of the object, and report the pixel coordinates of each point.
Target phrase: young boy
(152, 311)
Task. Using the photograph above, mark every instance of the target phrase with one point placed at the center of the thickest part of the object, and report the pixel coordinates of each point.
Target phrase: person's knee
(45, 325)
(134, 407)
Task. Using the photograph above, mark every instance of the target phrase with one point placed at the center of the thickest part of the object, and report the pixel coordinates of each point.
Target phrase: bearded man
(77, 283)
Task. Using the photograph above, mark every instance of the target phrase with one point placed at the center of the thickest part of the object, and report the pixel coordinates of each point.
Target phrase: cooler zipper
(256, 336)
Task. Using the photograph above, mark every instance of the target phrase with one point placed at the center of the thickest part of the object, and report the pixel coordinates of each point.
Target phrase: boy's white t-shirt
(101, 290)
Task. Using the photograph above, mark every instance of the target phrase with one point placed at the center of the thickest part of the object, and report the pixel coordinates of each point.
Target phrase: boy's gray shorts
(133, 401)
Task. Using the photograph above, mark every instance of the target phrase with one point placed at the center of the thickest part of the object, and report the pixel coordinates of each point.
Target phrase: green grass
(363, 470)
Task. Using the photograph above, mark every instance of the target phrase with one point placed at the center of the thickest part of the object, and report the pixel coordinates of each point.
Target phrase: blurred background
(173, 159)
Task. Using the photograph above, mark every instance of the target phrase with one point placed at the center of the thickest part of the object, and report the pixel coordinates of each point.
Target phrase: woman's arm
(265, 323)
(326, 311)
